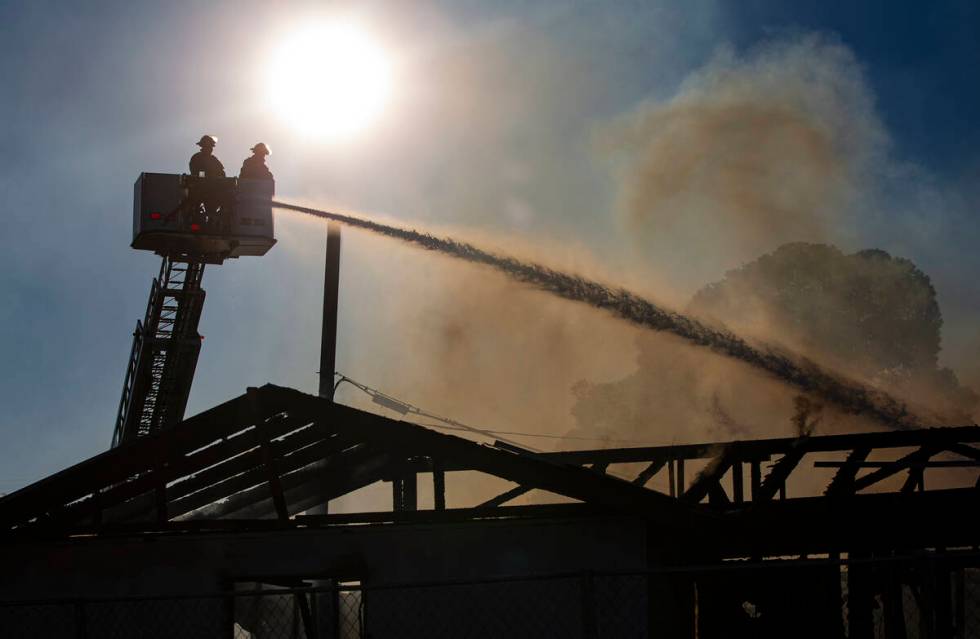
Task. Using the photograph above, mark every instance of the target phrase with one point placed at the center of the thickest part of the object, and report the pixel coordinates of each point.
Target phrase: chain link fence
(859, 599)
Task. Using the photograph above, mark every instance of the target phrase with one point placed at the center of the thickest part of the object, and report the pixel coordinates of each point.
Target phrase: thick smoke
(806, 415)
(752, 152)
(800, 373)
(780, 145)
(679, 393)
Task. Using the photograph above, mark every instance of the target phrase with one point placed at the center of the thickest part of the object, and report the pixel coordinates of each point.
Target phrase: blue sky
(492, 128)
(918, 55)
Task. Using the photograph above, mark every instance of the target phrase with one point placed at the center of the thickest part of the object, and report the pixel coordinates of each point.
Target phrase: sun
(329, 80)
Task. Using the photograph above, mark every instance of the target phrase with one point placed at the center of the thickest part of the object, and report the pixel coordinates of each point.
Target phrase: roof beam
(919, 456)
(257, 475)
(350, 470)
(536, 472)
(779, 473)
(748, 450)
(120, 463)
(647, 473)
(331, 479)
(203, 467)
(505, 497)
(843, 481)
(708, 480)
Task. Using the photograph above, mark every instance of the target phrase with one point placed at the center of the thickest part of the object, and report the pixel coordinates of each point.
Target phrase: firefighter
(204, 160)
(207, 199)
(254, 168)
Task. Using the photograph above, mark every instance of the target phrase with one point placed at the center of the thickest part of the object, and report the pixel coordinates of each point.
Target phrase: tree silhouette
(868, 313)
(873, 312)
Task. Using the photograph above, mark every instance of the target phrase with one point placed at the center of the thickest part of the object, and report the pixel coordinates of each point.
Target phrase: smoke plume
(806, 415)
(751, 152)
(774, 147)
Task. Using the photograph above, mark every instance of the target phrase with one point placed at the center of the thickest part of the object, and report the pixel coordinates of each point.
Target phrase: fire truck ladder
(164, 355)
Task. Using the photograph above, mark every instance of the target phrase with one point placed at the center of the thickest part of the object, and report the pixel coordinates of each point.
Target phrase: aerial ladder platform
(190, 222)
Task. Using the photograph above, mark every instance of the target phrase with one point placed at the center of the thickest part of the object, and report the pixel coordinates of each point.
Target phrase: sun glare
(329, 81)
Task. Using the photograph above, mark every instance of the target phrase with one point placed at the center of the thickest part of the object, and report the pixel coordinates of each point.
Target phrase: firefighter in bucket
(209, 197)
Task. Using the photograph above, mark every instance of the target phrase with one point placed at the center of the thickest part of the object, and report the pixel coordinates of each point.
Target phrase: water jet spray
(850, 396)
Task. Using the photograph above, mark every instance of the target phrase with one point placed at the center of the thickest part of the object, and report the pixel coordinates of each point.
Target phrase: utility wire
(405, 408)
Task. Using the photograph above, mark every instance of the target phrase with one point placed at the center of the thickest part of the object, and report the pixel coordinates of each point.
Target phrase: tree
(867, 309)
(867, 313)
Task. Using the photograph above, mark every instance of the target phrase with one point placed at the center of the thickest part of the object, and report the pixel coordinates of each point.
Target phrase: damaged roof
(267, 457)
(276, 452)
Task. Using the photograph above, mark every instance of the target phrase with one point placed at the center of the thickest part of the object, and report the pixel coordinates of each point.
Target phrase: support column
(738, 489)
(438, 486)
(756, 477)
(404, 493)
(860, 597)
(331, 290)
(328, 334)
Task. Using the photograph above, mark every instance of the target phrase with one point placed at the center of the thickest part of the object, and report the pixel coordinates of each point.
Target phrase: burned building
(204, 530)
(223, 525)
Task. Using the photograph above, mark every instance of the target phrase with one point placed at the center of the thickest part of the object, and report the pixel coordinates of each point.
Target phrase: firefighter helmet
(207, 140)
(261, 149)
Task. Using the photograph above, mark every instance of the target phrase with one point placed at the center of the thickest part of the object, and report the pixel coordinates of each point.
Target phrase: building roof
(275, 452)
(265, 458)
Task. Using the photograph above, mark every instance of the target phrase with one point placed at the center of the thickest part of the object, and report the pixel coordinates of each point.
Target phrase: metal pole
(328, 335)
(331, 288)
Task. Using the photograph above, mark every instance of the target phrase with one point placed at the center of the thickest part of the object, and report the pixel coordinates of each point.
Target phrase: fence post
(860, 597)
(959, 606)
(893, 601)
(944, 599)
(229, 604)
(81, 631)
(589, 630)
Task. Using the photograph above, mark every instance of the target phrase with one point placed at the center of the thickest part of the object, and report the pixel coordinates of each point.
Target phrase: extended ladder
(166, 345)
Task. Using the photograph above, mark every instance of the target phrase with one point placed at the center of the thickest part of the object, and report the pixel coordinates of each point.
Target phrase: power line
(405, 408)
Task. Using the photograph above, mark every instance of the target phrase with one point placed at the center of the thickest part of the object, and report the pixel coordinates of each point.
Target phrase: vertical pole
(438, 486)
(959, 602)
(81, 623)
(331, 289)
(411, 491)
(944, 599)
(397, 494)
(328, 334)
(589, 626)
(738, 490)
(404, 492)
(860, 598)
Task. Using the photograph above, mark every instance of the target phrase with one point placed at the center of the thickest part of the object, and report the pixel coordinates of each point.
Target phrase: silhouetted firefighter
(254, 168)
(207, 197)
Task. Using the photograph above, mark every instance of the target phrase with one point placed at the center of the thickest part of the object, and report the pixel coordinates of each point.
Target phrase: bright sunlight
(330, 80)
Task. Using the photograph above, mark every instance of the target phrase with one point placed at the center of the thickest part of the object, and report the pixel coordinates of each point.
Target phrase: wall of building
(372, 554)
